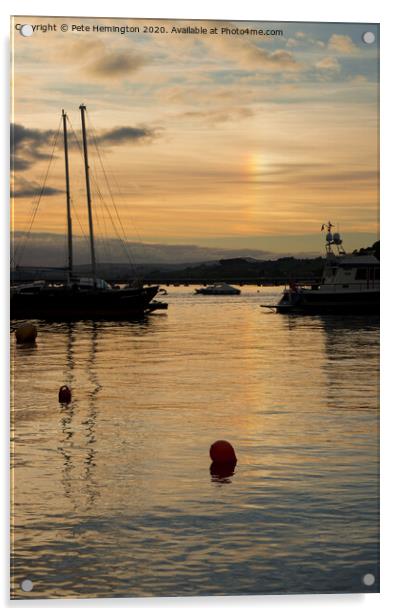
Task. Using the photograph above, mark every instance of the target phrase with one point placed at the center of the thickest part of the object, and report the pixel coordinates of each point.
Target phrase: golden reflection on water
(112, 494)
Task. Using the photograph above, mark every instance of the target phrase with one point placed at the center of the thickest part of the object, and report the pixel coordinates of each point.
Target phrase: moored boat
(218, 288)
(81, 298)
(350, 283)
(75, 301)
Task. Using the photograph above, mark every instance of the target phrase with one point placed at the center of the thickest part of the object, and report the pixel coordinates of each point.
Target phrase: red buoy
(26, 333)
(222, 452)
(64, 394)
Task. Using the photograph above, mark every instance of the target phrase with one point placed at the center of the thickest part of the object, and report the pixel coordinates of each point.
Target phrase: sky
(224, 141)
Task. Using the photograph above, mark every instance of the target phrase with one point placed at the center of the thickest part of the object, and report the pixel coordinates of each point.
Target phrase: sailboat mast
(69, 220)
(88, 189)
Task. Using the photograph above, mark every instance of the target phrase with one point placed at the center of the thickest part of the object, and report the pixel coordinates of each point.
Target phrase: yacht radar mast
(332, 239)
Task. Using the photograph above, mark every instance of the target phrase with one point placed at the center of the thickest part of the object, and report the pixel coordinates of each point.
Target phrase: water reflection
(69, 447)
(84, 343)
(112, 492)
(89, 478)
(66, 449)
(222, 473)
(67, 431)
(332, 323)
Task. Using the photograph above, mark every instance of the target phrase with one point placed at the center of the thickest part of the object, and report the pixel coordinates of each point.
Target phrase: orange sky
(206, 139)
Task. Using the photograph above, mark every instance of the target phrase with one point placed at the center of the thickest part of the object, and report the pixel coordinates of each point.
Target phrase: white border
(289, 10)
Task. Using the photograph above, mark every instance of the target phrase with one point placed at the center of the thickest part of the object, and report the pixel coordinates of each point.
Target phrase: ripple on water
(113, 494)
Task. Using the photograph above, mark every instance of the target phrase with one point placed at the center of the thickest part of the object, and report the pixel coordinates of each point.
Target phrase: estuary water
(113, 495)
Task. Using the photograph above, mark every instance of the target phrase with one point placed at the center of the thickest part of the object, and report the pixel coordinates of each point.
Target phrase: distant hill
(244, 269)
(224, 269)
(235, 268)
(371, 250)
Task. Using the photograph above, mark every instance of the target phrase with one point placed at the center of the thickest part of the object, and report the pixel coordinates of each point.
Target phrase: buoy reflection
(222, 473)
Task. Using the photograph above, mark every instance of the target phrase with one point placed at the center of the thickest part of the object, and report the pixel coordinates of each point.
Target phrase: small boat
(350, 284)
(219, 288)
(81, 298)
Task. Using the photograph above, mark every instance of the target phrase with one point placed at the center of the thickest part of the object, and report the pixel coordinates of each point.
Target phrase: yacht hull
(367, 302)
(64, 304)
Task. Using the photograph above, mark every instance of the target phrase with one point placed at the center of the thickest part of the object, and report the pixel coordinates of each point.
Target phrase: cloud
(27, 144)
(19, 164)
(329, 64)
(35, 138)
(318, 176)
(359, 79)
(100, 62)
(242, 51)
(342, 43)
(274, 61)
(115, 64)
(23, 189)
(216, 116)
(302, 40)
(126, 134)
(249, 55)
(292, 42)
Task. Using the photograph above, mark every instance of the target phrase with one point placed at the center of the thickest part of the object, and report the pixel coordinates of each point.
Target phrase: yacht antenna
(332, 239)
(69, 220)
(88, 188)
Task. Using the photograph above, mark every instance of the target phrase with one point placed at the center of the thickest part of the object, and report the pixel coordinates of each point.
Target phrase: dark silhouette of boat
(350, 284)
(78, 300)
(81, 298)
(218, 288)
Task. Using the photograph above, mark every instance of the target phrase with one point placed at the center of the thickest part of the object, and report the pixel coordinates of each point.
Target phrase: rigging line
(123, 240)
(23, 246)
(106, 247)
(14, 247)
(36, 206)
(78, 219)
(108, 185)
(144, 247)
(93, 132)
(132, 265)
(135, 228)
(114, 178)
(75, 209)
(99, 233)
(75, 135)
(96, 184)
(23, 233)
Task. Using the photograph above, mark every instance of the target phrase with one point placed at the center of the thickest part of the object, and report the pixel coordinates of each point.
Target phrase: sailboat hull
(66, 304)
